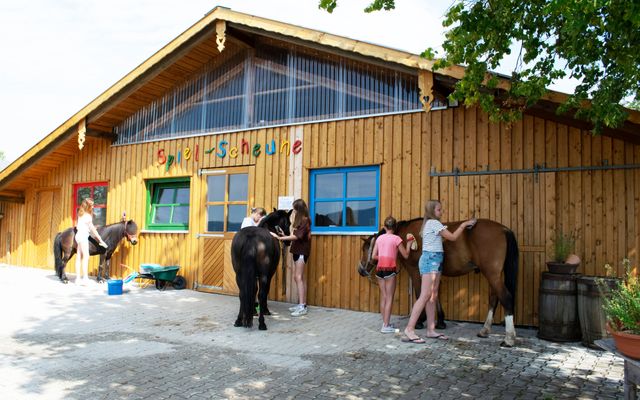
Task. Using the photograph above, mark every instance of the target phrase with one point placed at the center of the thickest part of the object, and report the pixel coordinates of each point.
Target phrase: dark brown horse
(255, 255)
(488, 247)
(64, 246)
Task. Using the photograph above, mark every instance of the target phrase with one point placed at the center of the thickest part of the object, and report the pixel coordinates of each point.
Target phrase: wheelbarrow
(160, 275)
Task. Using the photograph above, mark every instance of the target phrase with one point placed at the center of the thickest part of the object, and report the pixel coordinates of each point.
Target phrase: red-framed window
(98, 192)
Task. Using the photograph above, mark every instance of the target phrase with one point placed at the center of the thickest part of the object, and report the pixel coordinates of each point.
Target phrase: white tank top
(83, 226)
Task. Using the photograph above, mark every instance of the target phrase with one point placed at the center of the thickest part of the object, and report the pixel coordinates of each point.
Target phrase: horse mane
(399, 225)
(267, 223)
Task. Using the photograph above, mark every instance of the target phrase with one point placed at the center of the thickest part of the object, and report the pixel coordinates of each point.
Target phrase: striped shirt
(431, 239)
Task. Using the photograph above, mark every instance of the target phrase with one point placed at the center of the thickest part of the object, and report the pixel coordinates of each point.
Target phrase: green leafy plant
(622, 304)
(563, 245)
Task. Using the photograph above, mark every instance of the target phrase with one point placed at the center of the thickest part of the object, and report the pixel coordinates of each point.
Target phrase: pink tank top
(387, 250)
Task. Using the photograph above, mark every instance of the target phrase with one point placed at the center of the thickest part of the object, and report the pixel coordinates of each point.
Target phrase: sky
(57, 56)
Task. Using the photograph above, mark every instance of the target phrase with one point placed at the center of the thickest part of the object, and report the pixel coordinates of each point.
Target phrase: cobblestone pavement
(76, 342)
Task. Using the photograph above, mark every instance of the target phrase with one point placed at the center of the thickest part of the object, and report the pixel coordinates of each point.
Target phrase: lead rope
(370, 255)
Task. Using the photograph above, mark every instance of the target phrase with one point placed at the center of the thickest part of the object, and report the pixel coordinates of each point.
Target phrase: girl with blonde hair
(84, 228)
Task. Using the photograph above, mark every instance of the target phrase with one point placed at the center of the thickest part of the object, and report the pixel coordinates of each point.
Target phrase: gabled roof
(175, 62)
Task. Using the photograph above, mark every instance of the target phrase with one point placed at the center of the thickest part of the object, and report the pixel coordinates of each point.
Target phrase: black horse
(255, 255)
(64, 246)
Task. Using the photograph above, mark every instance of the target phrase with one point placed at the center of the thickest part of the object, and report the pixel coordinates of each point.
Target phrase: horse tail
(511, 266)
(57, 254)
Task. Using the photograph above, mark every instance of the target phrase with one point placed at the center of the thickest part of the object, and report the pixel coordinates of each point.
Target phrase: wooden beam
(425, 83)
(12, 199)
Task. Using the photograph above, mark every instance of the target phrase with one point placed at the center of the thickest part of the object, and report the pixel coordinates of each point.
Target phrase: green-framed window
(168, 204)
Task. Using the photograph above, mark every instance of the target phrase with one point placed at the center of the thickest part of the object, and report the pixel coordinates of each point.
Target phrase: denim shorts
(430, 262)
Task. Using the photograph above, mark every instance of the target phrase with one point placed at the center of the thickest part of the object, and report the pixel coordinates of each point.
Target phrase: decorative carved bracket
(221, 27)
(82, 132)
(425, 83)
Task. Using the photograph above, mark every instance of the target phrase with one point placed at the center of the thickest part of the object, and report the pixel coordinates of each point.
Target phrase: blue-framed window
(345, 199)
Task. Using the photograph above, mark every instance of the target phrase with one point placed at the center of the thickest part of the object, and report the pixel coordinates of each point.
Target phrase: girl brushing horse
(489, 248)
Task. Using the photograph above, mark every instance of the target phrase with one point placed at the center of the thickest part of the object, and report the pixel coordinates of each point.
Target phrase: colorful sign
(223, 150)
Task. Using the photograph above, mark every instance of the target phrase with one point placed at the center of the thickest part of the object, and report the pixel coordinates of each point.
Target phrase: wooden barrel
(557, 308)
(592, 319)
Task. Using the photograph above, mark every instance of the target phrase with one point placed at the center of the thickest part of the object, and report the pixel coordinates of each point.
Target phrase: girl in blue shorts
(430, 266)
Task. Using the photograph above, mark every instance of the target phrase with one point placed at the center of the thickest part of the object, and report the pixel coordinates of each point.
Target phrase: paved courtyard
(76, 342)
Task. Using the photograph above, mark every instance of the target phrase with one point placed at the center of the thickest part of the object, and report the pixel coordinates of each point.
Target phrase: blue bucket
(114, 286)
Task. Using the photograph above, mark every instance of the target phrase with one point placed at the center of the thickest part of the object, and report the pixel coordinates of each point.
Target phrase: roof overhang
(183, 56)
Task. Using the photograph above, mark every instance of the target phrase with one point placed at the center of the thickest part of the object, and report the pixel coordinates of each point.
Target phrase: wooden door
(525, 203)
(47, 219)
(215, 272)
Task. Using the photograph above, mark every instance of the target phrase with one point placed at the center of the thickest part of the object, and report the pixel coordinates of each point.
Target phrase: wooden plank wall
(406, 146)
(602, 207)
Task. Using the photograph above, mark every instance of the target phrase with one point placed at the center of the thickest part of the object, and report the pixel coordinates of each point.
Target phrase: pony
(255, 255)
(487, 247)
(64, 246)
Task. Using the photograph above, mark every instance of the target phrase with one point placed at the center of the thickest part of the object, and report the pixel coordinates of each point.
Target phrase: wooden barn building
(241, 111)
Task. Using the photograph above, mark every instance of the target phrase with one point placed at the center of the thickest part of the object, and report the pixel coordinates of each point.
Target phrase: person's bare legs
(431, 308)
(426, 286)
(82, 261)
(298, 277)
(387, 290)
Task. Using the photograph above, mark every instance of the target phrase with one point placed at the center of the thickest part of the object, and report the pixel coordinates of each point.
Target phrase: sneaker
(294, 308)
(299, 312)
(388, 329)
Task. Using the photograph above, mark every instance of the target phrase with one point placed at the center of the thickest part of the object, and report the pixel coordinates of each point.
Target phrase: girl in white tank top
(84, 228)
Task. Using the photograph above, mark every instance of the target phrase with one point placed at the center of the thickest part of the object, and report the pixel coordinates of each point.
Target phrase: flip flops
(417, 340)
(438, 337)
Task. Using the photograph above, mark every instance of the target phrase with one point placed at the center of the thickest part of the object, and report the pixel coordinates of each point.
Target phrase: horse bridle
(365, 269)
(126, 233)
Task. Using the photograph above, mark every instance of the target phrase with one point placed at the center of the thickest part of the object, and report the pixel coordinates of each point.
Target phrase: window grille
(274, 86)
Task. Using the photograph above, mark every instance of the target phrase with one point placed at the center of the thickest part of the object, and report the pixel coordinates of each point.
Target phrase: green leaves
(328, 5)
(596, 42)
(622, 304)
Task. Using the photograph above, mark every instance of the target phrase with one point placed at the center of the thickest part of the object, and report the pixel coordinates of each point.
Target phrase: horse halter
(365, 267)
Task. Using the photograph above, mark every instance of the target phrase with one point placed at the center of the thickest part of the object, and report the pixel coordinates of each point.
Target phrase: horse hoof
(419, 325)
(266, 312)
(262, 327)
(237, 324)
(441, 325)
(483, 335)
(506, 344)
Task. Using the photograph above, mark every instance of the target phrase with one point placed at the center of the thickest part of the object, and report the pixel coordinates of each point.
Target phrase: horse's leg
(506, 300)
(440, 324)
(263, 292)
(100, 269)
(239, 282)
(107, 267)
(493, 303)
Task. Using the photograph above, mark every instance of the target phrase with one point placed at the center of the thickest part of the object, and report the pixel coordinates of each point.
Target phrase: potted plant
(621, 307)
(564, 261)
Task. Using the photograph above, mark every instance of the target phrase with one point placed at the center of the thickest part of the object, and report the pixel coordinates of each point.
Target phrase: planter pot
(562, 268)
(627, 344)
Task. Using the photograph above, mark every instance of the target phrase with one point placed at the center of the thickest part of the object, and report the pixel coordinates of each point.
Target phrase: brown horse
(488, 247)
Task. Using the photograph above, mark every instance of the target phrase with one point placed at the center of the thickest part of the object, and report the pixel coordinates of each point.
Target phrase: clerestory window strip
(268, 87)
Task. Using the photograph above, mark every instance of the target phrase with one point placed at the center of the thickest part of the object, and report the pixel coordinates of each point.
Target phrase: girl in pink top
(385, 250)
